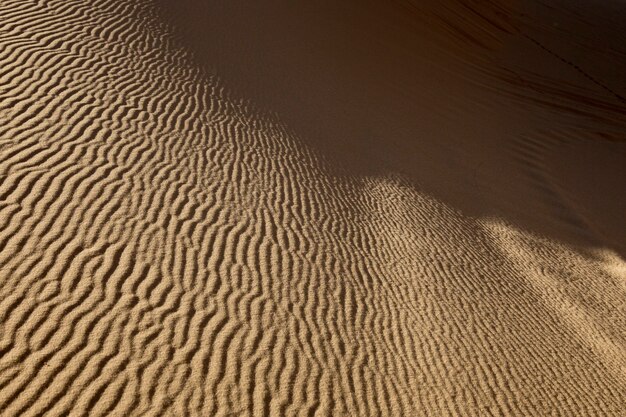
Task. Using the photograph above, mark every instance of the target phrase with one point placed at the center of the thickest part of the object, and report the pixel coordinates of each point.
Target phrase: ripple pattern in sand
(165, 249)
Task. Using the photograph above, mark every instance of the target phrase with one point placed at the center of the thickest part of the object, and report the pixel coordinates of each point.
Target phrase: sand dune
(312, 209)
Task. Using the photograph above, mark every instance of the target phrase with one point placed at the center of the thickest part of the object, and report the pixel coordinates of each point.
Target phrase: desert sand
(323, 208)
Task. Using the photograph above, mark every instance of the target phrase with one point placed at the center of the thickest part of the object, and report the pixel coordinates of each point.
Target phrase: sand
(326, 208)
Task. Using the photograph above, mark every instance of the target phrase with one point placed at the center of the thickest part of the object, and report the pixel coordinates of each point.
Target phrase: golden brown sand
(324, 208)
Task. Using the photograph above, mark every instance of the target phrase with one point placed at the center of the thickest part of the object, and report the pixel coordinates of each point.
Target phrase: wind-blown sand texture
(323, 208)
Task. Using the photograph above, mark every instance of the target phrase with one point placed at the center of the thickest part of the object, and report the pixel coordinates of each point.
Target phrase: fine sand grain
(323, 208)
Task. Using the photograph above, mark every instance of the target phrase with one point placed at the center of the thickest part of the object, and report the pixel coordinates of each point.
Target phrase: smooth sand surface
(323, 208)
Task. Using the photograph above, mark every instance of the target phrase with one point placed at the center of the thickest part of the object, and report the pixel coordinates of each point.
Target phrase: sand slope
(337, 208)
